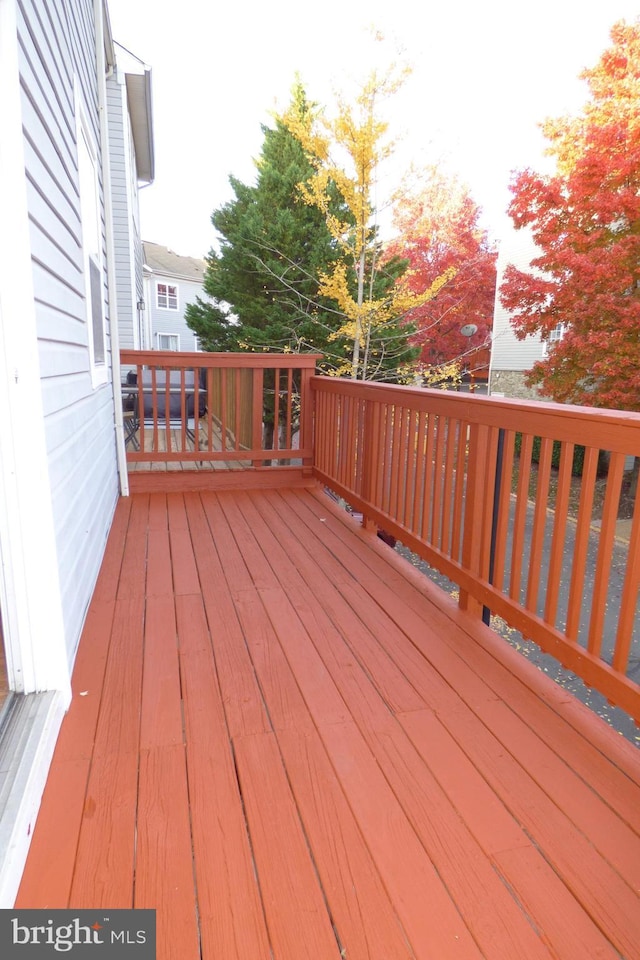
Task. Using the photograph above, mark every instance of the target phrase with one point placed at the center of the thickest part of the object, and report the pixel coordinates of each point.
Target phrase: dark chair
(130, 409)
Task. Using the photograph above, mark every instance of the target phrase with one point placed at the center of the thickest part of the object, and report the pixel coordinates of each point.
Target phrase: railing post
(307, 411)
(257, 439)
(369, 453)
(474, 504)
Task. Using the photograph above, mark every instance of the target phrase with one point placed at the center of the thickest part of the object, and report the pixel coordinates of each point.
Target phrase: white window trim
(99, 369)
(173, 286)
(175, 336)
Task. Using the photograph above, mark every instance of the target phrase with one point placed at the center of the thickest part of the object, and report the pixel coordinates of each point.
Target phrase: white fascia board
(139, 103)
(182, 277)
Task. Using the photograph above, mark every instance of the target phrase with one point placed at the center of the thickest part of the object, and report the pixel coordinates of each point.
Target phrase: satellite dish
(468, 330)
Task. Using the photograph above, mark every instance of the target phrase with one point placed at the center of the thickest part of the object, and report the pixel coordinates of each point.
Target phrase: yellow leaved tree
(373, 294)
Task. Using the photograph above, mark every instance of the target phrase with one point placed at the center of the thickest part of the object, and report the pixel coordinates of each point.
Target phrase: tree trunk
(355, 360)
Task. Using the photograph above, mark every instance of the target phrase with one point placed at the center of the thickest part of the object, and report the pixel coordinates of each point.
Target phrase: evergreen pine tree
(273, 249)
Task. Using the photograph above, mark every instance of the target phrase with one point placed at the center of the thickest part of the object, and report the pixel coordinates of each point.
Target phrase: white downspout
(111, 279)
(148, 293)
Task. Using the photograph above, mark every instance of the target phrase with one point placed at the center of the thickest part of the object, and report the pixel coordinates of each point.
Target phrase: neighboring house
(61, 448)
(512, 358)
(171, 282)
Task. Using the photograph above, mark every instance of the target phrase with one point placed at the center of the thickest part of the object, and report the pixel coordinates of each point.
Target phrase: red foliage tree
(585, 220)
(438, 231)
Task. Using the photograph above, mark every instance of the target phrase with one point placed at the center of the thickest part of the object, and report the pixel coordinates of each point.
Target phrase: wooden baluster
(370, 457)
(520, 520)
(560, 515)
(629, 600)
(581, 545)
(539, 524)
(605, 551)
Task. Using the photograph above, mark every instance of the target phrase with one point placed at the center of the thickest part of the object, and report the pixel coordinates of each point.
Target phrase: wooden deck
(293, 747)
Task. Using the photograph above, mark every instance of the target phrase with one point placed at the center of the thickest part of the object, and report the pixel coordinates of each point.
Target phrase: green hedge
(578, 454)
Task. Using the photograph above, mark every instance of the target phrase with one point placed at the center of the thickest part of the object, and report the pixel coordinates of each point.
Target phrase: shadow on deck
(292, 745)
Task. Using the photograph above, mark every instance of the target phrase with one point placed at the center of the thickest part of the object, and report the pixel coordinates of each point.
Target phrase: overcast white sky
(484, 75)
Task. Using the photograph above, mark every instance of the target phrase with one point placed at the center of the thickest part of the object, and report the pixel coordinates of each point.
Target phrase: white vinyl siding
(507, 352)
(58, 81)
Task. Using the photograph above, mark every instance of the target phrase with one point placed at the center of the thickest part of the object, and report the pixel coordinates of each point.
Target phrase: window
(91, 222)
(168, 341)
(555, 336)
(167, 296)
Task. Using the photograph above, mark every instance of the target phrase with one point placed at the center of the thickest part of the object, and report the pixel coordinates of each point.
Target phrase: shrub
(578, 454)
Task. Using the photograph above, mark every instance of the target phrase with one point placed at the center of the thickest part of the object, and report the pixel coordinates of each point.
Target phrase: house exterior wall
(33, 632)
(510, 357)
(58, 74)
(58, 482)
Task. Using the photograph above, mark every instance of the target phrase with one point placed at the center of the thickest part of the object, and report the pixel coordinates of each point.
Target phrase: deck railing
(229, 409)
(455, 479)
(482, 488)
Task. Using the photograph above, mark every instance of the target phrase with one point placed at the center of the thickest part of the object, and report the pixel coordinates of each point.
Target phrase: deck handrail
(441, 471)
(241, 408)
